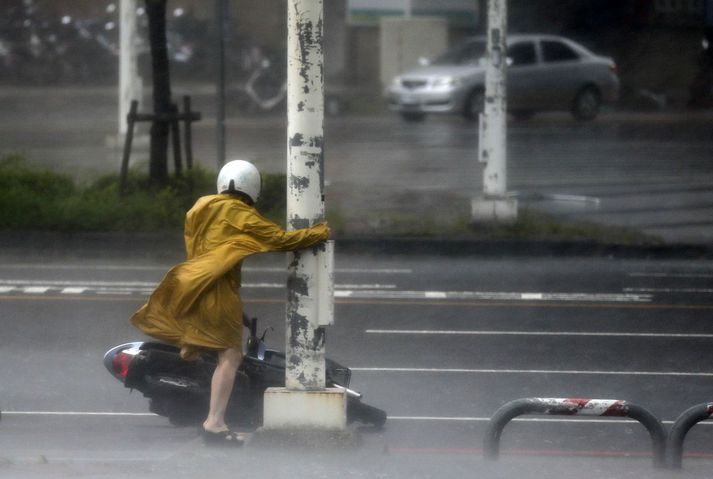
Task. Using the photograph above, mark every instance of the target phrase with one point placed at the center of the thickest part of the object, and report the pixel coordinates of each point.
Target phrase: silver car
(545, 73)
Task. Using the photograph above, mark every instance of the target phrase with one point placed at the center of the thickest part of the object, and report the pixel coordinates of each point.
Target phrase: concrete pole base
(490, 209)
(305, 440)
(323, 410)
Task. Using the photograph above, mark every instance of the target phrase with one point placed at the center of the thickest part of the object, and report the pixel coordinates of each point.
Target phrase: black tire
(474, 105)
(357, 411)
(585, 106)
(180, 413)
(186, 419)
(412, 116)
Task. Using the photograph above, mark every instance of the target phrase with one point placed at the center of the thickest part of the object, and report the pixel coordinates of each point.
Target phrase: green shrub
(273, 198)
(41, 199)
(29, 197)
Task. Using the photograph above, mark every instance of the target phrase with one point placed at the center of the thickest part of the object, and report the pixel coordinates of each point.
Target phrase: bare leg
(220, 388)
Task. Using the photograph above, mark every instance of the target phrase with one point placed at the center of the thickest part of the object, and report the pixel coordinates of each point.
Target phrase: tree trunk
(158, 163)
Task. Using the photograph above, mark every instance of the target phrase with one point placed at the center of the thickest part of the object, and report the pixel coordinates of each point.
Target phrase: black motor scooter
(180, 390)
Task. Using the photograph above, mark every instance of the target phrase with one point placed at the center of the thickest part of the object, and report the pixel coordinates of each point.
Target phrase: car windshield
(463, 54)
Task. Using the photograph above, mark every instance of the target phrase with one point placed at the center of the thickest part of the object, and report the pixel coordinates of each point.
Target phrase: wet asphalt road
(439, 342)
(649, 171)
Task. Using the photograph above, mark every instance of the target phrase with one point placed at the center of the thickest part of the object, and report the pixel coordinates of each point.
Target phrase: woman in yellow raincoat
(197, 305)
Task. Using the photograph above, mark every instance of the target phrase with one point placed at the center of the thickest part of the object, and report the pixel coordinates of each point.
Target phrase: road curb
(523, 248)
(170, 245)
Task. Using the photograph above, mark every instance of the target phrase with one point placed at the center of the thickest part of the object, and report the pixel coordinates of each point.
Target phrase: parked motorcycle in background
(260, 84)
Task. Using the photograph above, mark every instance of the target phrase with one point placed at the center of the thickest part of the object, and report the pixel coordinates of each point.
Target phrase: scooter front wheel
(357, 411)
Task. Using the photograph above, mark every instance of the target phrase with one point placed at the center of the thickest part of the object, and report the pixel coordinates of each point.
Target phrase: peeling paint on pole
(493, 130)
(494, 205)
(305, 189)
(130, 86)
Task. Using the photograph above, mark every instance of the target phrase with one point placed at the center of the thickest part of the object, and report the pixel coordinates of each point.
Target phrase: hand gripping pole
(572, 407)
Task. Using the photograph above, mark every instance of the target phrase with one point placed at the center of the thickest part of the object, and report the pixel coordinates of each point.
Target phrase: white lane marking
(82, 266)
(531, 296)
(496, 296)
(669, 290)
(672, 275)
(375, 271)
(122, 292)
(337, 285)
(61, 283)
(538, 333)
(262, 285)
(35, 289)
(135, 287)
(365, 286)
(358, 291)
(73, 290)
(592, 420)
(531, 371)
(275, 269)
(164, 268)
(76, 413)
(253, 269)
(435, 295)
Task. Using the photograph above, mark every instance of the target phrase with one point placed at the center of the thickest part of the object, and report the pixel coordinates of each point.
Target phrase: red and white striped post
(572, 407)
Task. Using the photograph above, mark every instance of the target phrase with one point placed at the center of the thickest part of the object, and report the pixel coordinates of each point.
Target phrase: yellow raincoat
(197, 305)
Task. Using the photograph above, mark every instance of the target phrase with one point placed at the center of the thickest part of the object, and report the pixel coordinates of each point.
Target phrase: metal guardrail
(571, 407)
(689, 418)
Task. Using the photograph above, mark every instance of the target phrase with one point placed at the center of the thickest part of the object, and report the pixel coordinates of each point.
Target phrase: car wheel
(474, 105)
(586, 104)
(413, 117)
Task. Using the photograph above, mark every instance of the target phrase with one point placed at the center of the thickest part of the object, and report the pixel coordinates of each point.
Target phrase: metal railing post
(571, 407)
(689, 418)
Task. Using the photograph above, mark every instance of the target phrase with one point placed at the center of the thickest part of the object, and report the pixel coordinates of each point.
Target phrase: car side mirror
(509, 61)
(423, 61)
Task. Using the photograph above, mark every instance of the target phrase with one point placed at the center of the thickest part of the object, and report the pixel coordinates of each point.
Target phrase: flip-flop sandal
(222, 438)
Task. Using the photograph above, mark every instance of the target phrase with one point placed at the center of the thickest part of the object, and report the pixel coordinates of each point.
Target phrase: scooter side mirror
(262, 338)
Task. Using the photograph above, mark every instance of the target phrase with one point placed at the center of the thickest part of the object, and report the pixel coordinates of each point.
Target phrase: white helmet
(239, 176)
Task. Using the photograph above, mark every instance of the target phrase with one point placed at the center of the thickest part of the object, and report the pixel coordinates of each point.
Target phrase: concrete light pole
(494, 205)
(408, 9)
(305, 187)
(222, 34)
(305, 403)
(130, 86)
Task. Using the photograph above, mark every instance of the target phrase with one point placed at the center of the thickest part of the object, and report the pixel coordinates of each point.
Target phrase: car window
(463, 54)
(522, 54)
(554, 51)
